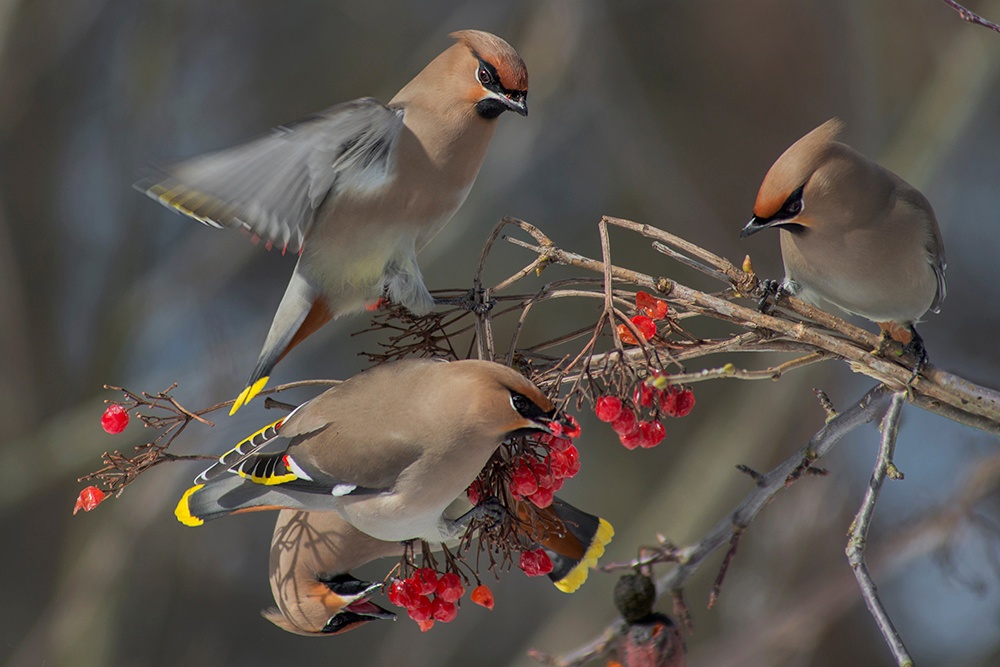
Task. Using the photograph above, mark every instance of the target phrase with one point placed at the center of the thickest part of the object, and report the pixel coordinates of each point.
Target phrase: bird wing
(936, 256)
(273, 185)
(933, 243)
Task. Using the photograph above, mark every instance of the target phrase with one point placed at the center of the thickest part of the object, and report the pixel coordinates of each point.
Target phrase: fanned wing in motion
(273, 185)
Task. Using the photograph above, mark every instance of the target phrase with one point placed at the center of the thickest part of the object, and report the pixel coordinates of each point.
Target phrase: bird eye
(485, 77)
(793, 206)
(520, 403)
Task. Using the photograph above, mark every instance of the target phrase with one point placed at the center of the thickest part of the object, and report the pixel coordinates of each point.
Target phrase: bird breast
(872, 274)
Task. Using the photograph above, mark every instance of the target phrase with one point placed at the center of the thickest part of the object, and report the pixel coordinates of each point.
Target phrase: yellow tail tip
(183, 510)
(578, 575)
(247, 394)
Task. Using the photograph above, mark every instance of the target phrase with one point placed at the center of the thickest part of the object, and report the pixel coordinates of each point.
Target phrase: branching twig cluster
(612, 356)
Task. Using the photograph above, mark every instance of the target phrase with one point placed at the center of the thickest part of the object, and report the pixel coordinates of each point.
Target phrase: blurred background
(665, 112)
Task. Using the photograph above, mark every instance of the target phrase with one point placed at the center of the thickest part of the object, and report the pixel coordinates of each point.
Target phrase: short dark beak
(755, 225)
(561, 426)
(355, 616)
(519, 104)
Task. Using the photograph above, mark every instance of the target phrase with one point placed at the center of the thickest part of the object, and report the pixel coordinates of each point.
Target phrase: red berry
(426, 625)
(643, 395)
(396, 593)
(565, 464)
(542, 498)
(677, 402)
(404, 593)
(88, 499)
(483, 596)
(422, 610)
(631, 440)
(450, 588)
(523, 482)
(426, 580)
(535, 563)
(625, 424)
(571, 427)
(556, 428)
(608, 408)
(645, 325)
(408, 593)
(652, 434)
(556, 444)
(115, 419)
(475, 492)
(543, 473)
(651, 306)
(443, 610)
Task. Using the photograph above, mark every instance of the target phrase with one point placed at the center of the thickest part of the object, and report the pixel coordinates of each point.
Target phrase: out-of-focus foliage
(666, 112)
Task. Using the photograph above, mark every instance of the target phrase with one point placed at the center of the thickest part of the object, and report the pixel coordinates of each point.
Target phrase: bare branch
(971, 16)
(859, 531)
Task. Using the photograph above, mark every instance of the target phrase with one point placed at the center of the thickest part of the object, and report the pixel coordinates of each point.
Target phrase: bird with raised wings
(356, 190)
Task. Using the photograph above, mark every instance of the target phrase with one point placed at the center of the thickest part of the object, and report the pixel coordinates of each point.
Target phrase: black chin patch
(489, 108)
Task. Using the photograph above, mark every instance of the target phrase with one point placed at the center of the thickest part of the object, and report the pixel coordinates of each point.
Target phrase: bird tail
(573, 539)
(242, 480)
(300, 313)
(252, 487)
(241, 452)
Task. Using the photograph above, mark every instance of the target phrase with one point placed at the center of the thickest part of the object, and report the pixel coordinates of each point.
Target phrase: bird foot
(771, 288)
(916, 348)
(472, 301)
(490, 512)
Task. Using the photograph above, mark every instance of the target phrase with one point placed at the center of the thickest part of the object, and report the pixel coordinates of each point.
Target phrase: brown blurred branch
(971, 17)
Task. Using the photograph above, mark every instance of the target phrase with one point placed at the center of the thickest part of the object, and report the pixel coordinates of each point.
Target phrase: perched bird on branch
(357, 190)
(853, 234)
(389, 449)
(313, 553)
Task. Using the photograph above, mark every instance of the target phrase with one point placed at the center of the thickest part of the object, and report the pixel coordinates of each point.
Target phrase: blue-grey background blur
(665, 112)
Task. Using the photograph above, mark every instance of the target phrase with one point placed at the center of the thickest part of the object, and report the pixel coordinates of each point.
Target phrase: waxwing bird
(313, 553)
(853, 234)
(648, 638)
(389, 449)
(357, 190)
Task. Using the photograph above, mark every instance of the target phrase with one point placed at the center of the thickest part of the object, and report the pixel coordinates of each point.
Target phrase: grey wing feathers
(273, 185)
(935, 253)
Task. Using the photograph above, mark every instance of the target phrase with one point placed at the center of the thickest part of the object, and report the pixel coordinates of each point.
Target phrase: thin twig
(884, 467)
(767, 486)
(971, 16)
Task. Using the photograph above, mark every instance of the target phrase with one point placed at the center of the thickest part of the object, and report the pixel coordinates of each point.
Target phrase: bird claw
(490, 512)
(770, 288)
(916, 348)
(472, 301)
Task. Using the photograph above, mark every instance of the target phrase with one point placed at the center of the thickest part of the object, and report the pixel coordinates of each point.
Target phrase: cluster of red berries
(414, 594)
(650, 310)
(538, 480)
(673, 401)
